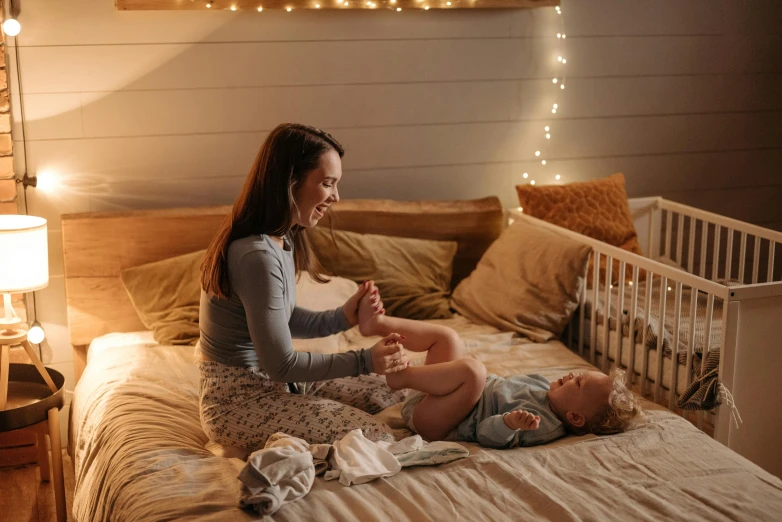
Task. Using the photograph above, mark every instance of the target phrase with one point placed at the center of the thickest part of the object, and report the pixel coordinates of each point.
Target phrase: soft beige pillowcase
(528, 281)
(413, 275)
(166, 295)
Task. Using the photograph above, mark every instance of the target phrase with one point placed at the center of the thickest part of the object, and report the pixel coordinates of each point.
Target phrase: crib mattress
(139, 453)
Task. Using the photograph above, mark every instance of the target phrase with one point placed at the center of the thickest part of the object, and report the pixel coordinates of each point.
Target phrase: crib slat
(677, 314)
(729, 255)
(707, 343)
(679, 238)
(742, 256)
(593, 318)
(620, 313)
(755, 260)
(631, 327)
(691, 336)
(704, 243)
(691, 246)
(645, 352)
(607, 313)
(581, 301)
(660, 336)
(650, 233)
(772, 245)
(715, 260)
(668, 243)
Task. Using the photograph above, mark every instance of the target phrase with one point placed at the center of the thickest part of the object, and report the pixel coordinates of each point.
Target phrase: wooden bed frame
(98, 246)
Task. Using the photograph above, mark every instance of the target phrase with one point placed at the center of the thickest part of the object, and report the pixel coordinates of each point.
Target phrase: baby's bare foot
(369, 321)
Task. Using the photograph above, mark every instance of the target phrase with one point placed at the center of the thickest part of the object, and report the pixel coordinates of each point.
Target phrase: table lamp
(24, 267)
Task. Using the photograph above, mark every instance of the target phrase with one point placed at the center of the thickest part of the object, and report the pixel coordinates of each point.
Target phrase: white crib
(703, 251)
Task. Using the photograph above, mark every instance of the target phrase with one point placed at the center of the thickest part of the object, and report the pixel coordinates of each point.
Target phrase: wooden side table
(30, 404)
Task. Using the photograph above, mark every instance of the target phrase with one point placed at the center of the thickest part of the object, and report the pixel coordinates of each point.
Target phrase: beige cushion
(413, 275)
(527, 282)
(166, 295)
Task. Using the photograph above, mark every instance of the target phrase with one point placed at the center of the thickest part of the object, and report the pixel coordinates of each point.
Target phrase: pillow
(413, 275)
(166, 295)
(597, 209)
(528, 281)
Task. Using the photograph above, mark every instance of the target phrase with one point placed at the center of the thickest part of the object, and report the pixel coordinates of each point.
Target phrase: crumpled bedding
(139, 453)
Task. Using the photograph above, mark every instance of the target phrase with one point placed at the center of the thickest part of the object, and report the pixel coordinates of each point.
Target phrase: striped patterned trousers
(242, 407)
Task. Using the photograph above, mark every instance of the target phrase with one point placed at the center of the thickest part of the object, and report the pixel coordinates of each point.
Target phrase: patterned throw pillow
(597, 209)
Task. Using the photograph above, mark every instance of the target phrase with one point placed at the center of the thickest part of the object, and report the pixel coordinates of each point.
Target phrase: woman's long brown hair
(266, 204)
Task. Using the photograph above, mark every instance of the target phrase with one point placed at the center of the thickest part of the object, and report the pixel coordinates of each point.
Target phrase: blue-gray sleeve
(306, 324)
(258, 281)
(492, 432)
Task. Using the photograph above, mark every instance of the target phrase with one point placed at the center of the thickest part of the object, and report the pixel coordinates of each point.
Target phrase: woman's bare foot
(370, 321)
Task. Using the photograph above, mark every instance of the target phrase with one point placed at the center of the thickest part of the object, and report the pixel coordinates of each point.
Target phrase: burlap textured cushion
(597, 209)
(527, 282)
(166, 295)
(413, 275)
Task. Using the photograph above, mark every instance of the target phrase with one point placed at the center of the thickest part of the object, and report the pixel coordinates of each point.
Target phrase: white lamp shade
(24, 254)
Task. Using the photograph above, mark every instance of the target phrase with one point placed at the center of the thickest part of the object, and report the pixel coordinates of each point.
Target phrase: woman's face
(319, 190)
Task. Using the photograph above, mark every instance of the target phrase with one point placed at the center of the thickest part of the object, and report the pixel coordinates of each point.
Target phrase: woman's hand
(388, 355)
(350, 308)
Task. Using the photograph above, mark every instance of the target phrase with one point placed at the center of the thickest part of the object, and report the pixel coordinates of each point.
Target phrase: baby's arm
(500, 431)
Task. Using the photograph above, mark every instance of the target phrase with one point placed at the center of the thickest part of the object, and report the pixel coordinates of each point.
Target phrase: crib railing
(623, 285)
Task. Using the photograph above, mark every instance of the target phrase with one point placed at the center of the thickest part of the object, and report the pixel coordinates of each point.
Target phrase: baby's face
(586, 393)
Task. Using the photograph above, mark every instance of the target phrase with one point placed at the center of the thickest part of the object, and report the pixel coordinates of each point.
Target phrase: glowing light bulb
(562, 86)
(543, 162)
(36, 334)
(260, 9)
(557, 177)
(559, 58)
(546, 128)
(559, 35)
(532, 182)
(564, 61)
(630, 283)
(555, 106)
(448, 3)
(548, 136)
(317, 6)
(47, 181)
(537, 153)
(208, 6)
(553, 111)
(233, 8)
(525, 175)
(398, 9)
(564, 35)
(426, 8)
(554, 80)
(289, 9)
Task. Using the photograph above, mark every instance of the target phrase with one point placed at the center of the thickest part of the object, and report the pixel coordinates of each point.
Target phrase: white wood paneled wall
(154, 109)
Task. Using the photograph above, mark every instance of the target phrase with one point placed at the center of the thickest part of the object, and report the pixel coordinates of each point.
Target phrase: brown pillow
(413, 275)
(166, 295)
(528, 281)
(597, 209)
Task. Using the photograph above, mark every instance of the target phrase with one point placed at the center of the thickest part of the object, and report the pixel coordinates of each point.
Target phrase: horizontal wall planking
(97, 22)
(139, 113)
(754, 204)
(142, 67)
(89, 163)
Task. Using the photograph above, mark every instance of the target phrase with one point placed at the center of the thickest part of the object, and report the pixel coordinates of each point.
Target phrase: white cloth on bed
(414, 451)
(273, 477)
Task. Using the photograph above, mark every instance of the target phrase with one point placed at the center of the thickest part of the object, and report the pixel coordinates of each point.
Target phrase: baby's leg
(453, 389)
(442, 343)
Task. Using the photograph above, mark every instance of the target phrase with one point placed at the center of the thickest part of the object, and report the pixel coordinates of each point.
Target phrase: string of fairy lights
(389, 4)
(558, 82)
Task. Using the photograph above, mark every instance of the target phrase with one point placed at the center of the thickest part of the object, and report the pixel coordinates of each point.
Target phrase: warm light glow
(392, 1)
(553, 111)
(11, 27)
(562, 86)
(564, 35)
(564, 60)
(543, 162)
(559, 58)
(559, 35)
(448, 3)
(233, 8)
(289, 9)
(260, 9)
(24, 265)
(520, 209)
(537, 153)
(36, 335)
(554, 80)
(426, 8)
(525, 175)
(669, 288)
(546, 128)
(208, 6)
(557, 177)
(630, 283)
(317, 6)
(548, 136)
(47, 181)
(532, 182)
(398, 9)
(556, 106)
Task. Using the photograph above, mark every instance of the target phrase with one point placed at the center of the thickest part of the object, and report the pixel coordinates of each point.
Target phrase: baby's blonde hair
(622, 410)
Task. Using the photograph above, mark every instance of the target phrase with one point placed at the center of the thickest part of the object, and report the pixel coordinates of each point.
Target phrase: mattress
(140, 454)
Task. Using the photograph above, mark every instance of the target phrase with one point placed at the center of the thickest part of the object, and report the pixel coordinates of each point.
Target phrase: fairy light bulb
(208, 6)
(546, 128)
(525, 175)
(554, 80)
(233, 8)
(426, 8)
(36, 334)
(564, 36)
(317, 6)
(557, 177)
(543, 162)
(537, 153)
(562, 86)
(555, 106)
(260, 9)
(548, 136)
(559, 35)
(553, 111)
(447, 3)
(289, 9)
(559, 58)
(532, 182)
(564, 61)
(398, 9)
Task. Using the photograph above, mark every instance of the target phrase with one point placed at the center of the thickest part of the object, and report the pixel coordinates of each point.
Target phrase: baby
(454, 398)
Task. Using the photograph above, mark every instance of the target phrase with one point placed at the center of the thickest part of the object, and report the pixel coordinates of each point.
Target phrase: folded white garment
(356, 460)
(413, 451)
(275, 476)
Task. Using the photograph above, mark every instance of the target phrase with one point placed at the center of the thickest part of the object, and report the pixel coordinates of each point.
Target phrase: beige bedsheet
(139, 455)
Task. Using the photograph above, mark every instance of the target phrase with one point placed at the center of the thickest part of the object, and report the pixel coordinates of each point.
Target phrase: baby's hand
(521, 420)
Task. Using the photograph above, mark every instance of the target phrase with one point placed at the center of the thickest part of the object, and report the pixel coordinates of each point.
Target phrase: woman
(253, 383)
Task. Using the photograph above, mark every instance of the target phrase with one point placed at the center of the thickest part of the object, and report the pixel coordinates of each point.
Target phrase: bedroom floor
(26, 499)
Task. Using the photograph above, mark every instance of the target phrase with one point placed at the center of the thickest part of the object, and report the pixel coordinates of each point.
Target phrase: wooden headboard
(98, 246)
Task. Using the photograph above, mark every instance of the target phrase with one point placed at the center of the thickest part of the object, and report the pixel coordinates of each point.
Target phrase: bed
(140, 454)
